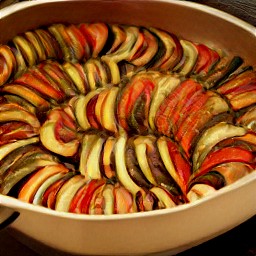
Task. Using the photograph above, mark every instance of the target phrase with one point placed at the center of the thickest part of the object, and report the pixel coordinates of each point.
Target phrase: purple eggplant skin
(160, 173)
(133, 165)
(212, 178)
(222, 70)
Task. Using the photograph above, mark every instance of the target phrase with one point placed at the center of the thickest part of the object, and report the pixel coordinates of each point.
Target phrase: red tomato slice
(189, 123)
(207, 57)
(75, 205)
(129, 96)
(90, 112)
(240, 80)
(203, 59)
(181, 165)
(224, 155)
(185, 107)
(96, 35)
(87, 196)
(49, 196)
(248, 87)
(13, 131)
(169, 106)
(32, 81)
(202, 112)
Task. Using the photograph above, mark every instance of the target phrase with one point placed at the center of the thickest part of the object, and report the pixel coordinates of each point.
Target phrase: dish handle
(7, 216)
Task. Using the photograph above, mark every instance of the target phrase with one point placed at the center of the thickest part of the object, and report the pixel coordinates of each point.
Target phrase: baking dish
(174, 229)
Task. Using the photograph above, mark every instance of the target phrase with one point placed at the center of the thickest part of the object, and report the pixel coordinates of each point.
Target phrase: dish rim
(16, 204)
(198, 6)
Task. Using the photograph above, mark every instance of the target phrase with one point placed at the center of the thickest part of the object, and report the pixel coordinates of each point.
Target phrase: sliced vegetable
(7, 64)
(189, 58)
(199, 191)
(175, 163)
(224, 155)
(164, 86)
(132, 164)
(208, 110)
(176, 98)
(67, 192)
(222, 70)
(121, 168)
(206, 59)
(164, 198)
(211, 137)
(31, 186)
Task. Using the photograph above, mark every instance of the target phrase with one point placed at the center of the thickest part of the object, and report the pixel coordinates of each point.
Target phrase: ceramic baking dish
(173, 230)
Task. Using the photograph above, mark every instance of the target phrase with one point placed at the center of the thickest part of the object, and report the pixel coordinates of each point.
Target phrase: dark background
(241, 241)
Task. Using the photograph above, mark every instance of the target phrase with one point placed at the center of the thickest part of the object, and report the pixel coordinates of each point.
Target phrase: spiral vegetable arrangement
(103, 118)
